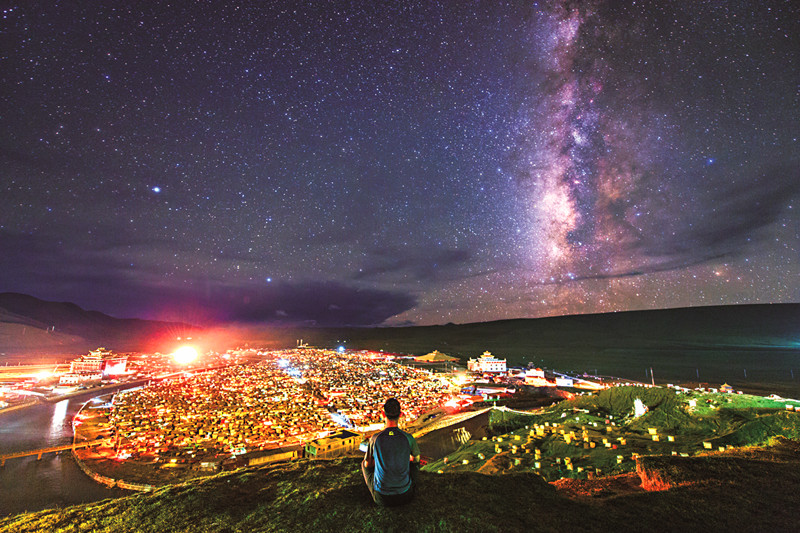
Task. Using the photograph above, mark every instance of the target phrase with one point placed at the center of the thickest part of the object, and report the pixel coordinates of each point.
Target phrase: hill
(20, 342)
(747, 490)
(30, 327)
(752, 347)
(601, 434)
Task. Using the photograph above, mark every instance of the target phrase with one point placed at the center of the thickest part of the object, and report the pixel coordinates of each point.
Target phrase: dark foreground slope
(752, 490)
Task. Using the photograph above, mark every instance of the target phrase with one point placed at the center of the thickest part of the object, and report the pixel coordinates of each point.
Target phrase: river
(54, 481)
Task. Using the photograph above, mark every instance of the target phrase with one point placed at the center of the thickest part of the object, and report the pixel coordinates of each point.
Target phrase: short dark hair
(392, 409)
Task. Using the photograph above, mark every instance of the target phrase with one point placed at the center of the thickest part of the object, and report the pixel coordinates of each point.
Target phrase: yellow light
(185, 355)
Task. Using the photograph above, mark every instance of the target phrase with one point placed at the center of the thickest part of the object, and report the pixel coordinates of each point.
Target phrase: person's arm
(413, 469)
(414, 448)
(369, 460)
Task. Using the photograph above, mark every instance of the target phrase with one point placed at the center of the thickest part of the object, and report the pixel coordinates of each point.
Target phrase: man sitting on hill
(391, 464)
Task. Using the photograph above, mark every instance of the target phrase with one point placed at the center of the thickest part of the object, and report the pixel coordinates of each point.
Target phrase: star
(432, 163)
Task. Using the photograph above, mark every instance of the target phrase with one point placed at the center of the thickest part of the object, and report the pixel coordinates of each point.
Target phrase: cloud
(649, 268)
(95, 278)
(320, 303)
(720, 216)
(726, 214)
(418, 263)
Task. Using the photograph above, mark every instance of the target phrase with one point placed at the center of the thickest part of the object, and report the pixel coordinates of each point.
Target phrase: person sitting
(391, 464)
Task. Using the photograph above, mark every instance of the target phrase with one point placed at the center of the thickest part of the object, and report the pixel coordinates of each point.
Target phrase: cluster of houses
(489, 366)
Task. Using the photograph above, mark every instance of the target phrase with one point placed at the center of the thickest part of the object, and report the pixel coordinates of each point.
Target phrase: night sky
(394, 162)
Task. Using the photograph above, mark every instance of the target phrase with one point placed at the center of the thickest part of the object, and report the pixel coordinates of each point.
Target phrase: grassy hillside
(598, 434)
(753, 490)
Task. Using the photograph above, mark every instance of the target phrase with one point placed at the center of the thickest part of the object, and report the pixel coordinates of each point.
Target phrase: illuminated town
(289, 398)
(153, 420)
(248, 406)
(158, 418)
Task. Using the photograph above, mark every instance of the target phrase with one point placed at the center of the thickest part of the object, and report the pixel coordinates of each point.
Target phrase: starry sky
(420, 162)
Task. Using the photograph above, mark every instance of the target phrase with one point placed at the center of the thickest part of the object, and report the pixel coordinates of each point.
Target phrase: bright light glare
(185, 355)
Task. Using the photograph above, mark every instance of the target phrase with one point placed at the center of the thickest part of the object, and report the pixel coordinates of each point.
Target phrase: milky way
(584, 153)
(609, 187)
(416, 162)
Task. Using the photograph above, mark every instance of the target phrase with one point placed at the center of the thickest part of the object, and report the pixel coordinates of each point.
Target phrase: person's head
(391, 409)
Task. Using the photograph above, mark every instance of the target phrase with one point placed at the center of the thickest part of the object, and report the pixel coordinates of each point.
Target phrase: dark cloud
(729, 212)
(731, 217)
(90, 275)
(317, 303)
(650, 268)
(420, 263)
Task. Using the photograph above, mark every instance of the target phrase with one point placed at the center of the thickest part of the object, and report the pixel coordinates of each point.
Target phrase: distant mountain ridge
(736, 326)
(746, 345)
(67, 327)
(741, 344)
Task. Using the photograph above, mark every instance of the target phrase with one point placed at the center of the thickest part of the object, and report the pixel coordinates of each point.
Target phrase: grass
(751, 490)
(604, 436)
(743, 489)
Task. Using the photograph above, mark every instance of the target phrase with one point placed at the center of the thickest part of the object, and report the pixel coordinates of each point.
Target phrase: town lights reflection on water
(59, 415)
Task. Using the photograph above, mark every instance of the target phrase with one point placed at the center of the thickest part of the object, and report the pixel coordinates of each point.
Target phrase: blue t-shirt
(391, 450)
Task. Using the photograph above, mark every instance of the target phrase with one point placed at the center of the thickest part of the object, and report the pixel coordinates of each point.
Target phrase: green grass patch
(598, 434)
(717, 492)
